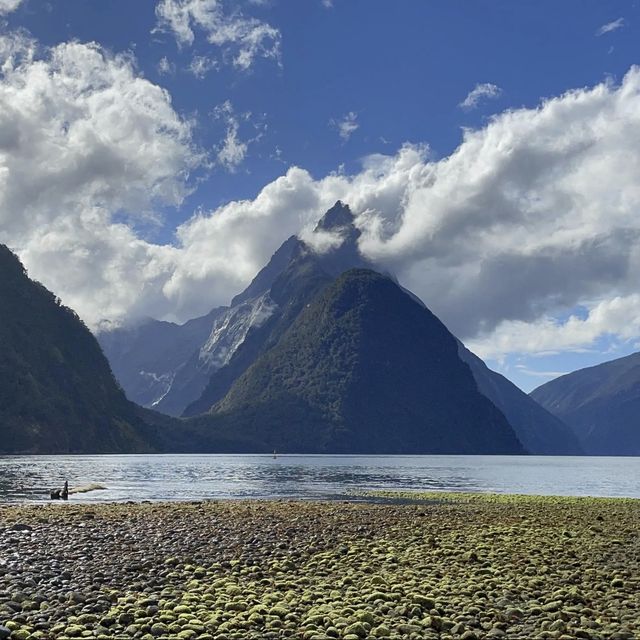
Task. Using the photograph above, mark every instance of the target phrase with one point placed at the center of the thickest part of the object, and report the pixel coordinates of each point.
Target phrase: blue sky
(403, 68)
(331, 84)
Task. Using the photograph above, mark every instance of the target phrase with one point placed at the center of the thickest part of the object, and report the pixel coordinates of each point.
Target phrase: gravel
(465, 567)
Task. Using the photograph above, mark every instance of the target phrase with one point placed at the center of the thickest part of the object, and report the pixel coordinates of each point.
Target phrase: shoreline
(457, 565)
(373, 496)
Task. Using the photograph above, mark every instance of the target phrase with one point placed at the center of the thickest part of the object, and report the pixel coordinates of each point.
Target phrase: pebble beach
(437, 566)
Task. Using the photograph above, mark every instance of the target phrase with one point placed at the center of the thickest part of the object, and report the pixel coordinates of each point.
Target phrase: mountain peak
(338, 217)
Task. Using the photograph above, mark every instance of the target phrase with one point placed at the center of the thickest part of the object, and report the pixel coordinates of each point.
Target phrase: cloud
(617, 317)
(610, 26)
(347, 126)
(539, 374)
(86, 143)
(201, 65)
(242, 39)
(485, 91)
(165, 67)
(7, 6)
(233, 151)
(532, 215)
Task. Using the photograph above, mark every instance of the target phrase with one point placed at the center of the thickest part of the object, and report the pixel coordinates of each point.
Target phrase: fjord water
(201, 477)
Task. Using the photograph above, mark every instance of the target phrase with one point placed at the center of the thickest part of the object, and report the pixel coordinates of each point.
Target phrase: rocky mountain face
(601, 404)
(540, 431)
(167, 367)
(57, 392)
(294, 288)
(364, 368)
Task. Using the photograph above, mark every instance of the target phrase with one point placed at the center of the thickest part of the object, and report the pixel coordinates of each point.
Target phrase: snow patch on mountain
(159, 385)
(231, 328)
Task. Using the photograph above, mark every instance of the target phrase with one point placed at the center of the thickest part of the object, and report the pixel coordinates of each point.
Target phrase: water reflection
(30, 478)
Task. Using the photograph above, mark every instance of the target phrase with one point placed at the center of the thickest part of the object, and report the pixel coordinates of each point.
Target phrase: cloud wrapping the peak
(242, 38)
(530, 216)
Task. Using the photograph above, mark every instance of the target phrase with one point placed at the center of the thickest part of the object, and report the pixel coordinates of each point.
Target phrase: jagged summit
(339, 220)
(338, 217)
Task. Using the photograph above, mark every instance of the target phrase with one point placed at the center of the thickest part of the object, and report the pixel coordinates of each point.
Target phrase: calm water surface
(197, 477)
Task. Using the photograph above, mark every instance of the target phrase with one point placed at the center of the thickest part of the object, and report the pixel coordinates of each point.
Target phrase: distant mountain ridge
(540, 431)
(57, 392)
(146, 357)
(601, 404)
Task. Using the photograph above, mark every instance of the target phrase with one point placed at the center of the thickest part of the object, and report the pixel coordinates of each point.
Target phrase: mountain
(168, 367)
(303, 278)
(363, 368)
(145, 358)
(186, 370)
(540, 432)
(601, 404)
(57, 392)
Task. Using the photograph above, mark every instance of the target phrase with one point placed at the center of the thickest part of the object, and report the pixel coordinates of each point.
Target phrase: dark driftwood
(60, 494)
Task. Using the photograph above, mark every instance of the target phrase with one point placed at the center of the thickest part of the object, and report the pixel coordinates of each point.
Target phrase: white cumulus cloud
(242, 38)
(7, 6)
(84, 139)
